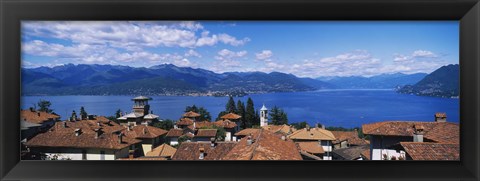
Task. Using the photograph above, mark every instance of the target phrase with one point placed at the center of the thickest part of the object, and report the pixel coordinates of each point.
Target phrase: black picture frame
(13, 11)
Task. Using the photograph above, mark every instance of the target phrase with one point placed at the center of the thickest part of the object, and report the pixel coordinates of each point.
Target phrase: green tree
(44, 106)
(165, 124)
(118, 113)
(241, 112)
(83, 113)
(299, 125)
(230, 107)
(250, 113)
(191, 108)
(278, 116)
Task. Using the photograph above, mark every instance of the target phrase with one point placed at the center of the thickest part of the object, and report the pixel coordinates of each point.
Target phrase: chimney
(38, 114)
(78, 132)
(98, 123)
(145, 130)
(249, 140)
(284, 138)
(130, 154)
(212, 142)
(194, 125)
(323, 126)
(440, 117)
(307, 127)
(120, 138)
(64, 124)
(97, 133)
(202, 153)
(418, 133)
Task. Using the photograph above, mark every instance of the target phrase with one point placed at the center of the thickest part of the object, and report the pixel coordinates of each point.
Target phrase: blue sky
(305, 49)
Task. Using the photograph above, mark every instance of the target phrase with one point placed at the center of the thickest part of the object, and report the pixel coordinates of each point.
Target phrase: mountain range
(168, 79)
(443, 82)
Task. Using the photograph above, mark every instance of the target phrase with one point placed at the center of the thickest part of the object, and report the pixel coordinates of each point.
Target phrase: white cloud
(192, 53)
(129, 35)
(264, 54)
(101, 54)
(423, 53)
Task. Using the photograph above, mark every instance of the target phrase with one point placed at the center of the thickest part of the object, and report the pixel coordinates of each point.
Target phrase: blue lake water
(347, 108)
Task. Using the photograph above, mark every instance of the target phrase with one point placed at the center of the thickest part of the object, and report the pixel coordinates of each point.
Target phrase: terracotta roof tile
(351, 153)
(163, 150)
(231, 116)
(144, 131)
(247, 132)
(184, 122)
(206, 133)
(350, 136)
(225, 124)
(312, 134)
(441, 114)
(266, 146)
(435, 131)
(191, 114)
(432, 151)
(284, 129)
(312, 147)
(175, 133)
(191, 150)
(37, 116)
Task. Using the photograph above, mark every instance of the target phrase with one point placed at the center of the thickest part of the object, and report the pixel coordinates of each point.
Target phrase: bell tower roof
(263, 108)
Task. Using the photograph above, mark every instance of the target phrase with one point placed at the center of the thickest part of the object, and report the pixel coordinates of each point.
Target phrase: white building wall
(228, 136)
(377, 154)
(76, 154)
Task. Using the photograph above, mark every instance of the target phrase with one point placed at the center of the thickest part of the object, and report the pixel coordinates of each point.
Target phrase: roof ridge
(257, 142)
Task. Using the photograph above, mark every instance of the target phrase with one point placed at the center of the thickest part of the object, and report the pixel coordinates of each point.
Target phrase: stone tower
(263, 116)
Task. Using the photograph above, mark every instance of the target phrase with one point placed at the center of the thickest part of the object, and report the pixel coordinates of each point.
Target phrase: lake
(347, 108)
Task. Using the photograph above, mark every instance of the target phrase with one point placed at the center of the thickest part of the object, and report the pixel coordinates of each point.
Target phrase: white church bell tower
(263, 116)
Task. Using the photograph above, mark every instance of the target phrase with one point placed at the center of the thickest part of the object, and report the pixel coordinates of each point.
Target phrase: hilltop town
(136, 136)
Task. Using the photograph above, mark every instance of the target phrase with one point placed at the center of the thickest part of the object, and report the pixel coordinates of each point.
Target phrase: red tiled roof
(37, 116)
(247, 132)
(312, 147)
(232, 116)
(432, 151)
(284, 129)
(191, 114)
(312, 134)
(184, 122)
(163, 150)
(225, 124)
(84, 140)
(144, 131)
(266, 146)
(351, 153)
(175, 133)
(206, 133)
(191, 150)
(350, 136)
(435, 131)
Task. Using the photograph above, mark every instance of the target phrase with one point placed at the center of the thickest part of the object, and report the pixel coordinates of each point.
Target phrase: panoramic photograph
(240, 90)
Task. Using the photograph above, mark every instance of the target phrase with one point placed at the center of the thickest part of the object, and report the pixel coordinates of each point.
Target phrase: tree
(278, 116)
(241, 112)
(250, 114)
(230, 107)
(299, 125)
(118, 113)
(165, 124)
(83, 113)
(44, 106)
(191, 108)
(74, 116)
